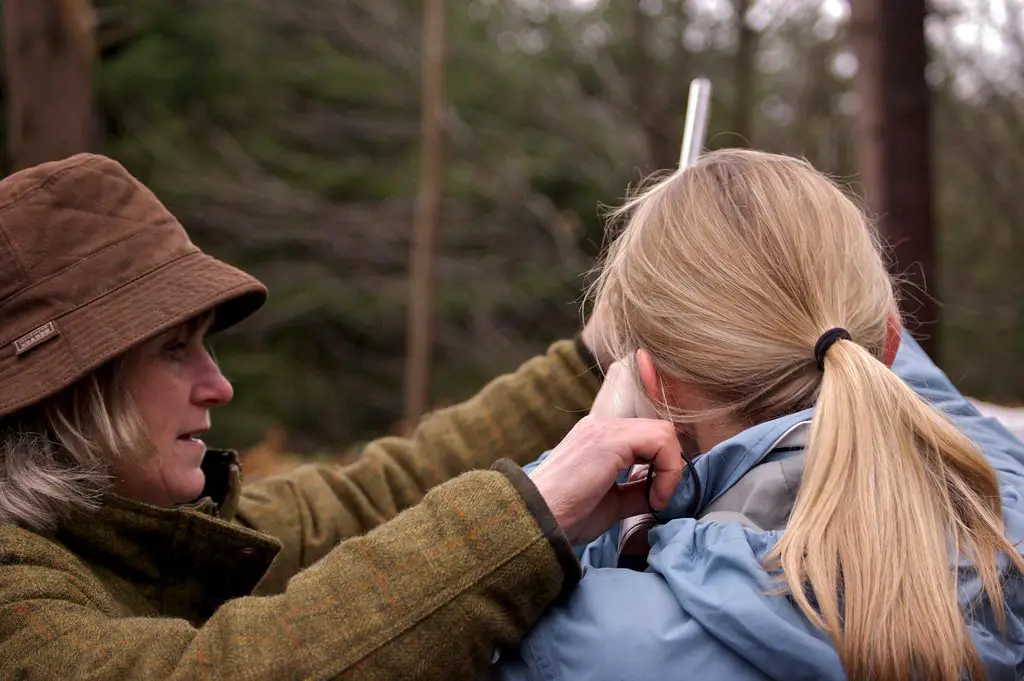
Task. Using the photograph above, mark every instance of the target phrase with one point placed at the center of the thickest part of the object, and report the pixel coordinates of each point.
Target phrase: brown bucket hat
(92, 264)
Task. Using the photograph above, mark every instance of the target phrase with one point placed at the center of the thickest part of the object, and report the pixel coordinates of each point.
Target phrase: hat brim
(164, 298)
(111, 325)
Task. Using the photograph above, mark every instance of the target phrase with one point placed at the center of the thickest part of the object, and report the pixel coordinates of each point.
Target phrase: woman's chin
(189, 486)
(186, 481)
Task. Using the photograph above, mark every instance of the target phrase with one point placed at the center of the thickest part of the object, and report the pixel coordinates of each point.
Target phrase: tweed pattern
(307, 580)
(517, 416)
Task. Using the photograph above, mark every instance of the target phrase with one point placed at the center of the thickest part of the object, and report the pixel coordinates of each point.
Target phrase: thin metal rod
(698, 107)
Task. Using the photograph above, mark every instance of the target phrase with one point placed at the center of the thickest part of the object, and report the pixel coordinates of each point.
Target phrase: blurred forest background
(286, 137)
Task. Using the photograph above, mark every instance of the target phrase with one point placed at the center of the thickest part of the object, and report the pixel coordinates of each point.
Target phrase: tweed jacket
(377, 570)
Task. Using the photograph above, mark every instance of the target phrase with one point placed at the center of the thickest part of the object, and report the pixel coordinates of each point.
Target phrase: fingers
(666, 479)
(663, 454)
(654, 442)
(582, 469)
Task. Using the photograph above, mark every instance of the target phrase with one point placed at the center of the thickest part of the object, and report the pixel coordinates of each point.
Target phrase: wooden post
(894, 146)
(49, 52)
(427, 215)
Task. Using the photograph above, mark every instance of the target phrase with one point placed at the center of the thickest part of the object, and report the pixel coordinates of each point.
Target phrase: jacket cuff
(587, 357)
(537, 507)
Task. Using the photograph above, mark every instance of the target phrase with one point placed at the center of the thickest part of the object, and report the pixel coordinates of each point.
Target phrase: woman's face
(174, 382)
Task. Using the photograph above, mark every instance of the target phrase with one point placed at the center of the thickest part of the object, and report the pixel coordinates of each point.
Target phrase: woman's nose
(213, 389)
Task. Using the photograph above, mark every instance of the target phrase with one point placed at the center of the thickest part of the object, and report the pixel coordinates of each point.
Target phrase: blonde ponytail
(727, 272)
(891, 492)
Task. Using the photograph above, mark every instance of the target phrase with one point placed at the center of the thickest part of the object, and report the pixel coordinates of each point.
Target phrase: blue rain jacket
(703, 609)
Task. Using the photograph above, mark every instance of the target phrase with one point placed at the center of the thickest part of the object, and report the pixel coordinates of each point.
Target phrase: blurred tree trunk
(743, 114)
(814, 107)
(643, 80)
(893, 146)
(427, 214)
(49, 52)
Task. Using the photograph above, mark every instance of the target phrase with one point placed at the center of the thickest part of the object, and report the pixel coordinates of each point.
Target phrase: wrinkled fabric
(705, 608)
(376, 570)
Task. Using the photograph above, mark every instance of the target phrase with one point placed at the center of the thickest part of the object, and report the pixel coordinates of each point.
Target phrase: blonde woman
(818, 533)
(131, 551)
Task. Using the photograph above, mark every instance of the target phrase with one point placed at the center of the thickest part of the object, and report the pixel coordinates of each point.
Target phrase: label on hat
(35, 337)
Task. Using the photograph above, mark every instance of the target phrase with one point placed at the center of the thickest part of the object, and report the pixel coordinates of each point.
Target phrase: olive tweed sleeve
(430, 595)
(516, 416)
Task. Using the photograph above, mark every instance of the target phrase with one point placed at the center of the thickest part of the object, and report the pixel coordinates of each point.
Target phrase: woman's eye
(175, 347)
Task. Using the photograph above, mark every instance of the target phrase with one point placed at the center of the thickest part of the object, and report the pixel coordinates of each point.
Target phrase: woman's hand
(577, 479)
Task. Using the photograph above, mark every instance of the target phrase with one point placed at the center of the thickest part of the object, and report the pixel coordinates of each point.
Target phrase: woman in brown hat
(128, 550)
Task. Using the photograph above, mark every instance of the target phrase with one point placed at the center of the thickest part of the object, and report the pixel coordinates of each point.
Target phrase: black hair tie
(825, 341)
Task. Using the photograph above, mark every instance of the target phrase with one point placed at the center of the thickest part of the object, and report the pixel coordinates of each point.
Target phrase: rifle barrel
(697, 107)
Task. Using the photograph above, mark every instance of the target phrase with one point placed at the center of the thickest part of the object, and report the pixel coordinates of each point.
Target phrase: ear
(649, 375)
(893, 328)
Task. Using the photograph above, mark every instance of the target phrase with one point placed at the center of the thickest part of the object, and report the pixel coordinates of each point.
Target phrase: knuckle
(588, 426)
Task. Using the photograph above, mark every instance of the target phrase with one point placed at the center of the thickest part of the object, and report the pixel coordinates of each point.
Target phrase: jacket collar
(728, 461)
(186, 561)
(223, 485)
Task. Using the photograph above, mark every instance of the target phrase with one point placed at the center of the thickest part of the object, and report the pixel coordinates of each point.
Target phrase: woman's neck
(707, 434)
